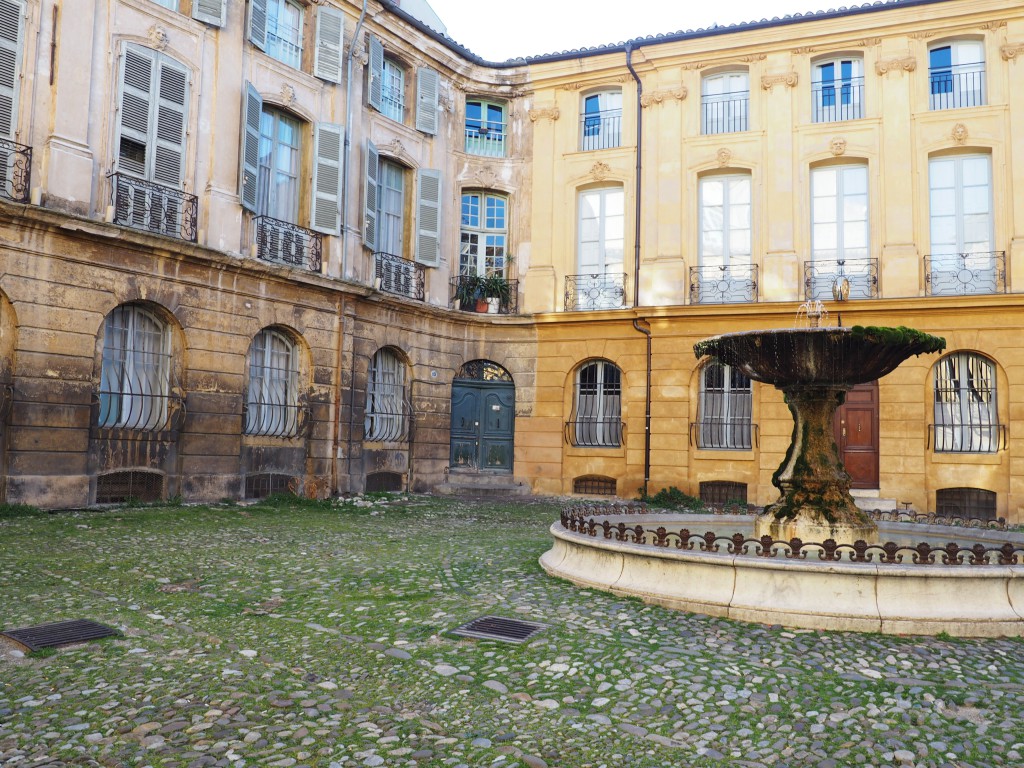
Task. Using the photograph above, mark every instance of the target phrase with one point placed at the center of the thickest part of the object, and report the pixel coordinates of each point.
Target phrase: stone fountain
(815, 367)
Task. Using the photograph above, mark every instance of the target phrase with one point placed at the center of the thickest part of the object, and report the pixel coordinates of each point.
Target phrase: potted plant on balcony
(498, 292)
(468, 293)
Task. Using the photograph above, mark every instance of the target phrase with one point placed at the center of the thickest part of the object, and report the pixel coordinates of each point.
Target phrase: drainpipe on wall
(644, 329)
(348, 142)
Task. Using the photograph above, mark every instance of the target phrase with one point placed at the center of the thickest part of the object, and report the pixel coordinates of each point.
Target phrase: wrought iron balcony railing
(594, 433)
(838, 100)
(963, 274)
(262, 417)
(283, 243)
(396, 275)
(959, 437)
(486, 139)
(597, 291)
(724, 112)
(16, 167)
(725, 434)
(823, 279)
(388, 413)
(600, 130)
(477, 294)
(959, 85)
(138, 406)
(155, 208)
(725, 284)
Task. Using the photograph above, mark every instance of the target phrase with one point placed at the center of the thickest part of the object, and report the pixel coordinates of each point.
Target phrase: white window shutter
(171, 123)
(133, 140)
(258, 23)
(252, 109)
(11, 14)
(210, 11)
(370, 203)
(428, 217)
(376, 72)
(426, 100)
(327, 162)
(330, 31)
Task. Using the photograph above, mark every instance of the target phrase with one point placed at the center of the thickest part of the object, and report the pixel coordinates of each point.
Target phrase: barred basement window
(263, 484)
(594, 485)
(129, 485)
(966, 502)
(722, 492)
(377, 482)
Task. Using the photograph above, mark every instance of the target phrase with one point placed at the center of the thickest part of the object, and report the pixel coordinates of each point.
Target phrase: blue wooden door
(483, 425)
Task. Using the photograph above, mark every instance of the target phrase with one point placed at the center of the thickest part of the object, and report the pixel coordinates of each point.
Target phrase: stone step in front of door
(482, 485)
(869, 500)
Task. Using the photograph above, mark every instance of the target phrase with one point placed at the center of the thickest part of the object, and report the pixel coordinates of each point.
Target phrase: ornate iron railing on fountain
(152, 207)
(934, 518)
(15, 171)
(595, 291)
(578, 520)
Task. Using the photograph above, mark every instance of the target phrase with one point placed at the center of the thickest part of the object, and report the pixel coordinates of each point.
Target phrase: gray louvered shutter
(11, 13)
(376, 72)
(428, 217)
(210, 11)
(252, 109)
(133, 141)
(426, 100)
(327, 161)
(330, 31)
(258, 23)
(171, 113)
(370, 204)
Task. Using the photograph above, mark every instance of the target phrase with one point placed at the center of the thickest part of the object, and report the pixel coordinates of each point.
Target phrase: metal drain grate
(59, 633)
(498, 628)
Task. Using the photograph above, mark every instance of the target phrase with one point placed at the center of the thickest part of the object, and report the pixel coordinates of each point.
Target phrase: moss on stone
(900, 335)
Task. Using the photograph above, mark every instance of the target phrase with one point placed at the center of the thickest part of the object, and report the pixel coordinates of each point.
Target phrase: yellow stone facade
(379, 118)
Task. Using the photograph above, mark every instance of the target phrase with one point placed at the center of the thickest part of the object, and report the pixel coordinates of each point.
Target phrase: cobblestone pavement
(308, 635)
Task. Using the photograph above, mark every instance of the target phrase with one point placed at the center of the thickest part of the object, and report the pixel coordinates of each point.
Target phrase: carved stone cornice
(959, 134)
(868, 42)
(788, 79)
(544, 113)
(921, 35)
(693, 65)
(837, 146)
(657, 97)
(992, 26)
(579, 85)
(898, 64)
(751, 58)
(724, 157)
(1011, 51)
(803, 50)
(396, 149)
(600, 171)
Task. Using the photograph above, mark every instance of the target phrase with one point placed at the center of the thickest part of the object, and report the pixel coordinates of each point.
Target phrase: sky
(498, 31)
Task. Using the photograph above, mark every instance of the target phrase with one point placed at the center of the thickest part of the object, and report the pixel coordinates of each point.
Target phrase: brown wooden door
(856, 431)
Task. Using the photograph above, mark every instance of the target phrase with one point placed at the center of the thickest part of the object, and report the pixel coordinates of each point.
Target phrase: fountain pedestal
(815, 504)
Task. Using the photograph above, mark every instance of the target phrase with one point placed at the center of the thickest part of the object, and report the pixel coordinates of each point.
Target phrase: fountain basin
(961, 600)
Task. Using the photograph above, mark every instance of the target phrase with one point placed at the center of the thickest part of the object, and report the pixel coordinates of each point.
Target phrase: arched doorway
(483, 418)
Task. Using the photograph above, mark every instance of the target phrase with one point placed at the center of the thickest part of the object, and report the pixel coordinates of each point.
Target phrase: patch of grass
(18, 510)
(673, 498)
(42, 653)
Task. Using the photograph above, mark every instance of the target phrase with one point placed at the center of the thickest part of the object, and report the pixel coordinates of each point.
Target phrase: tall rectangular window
(724, 101)
(838, 90)
(962, 249)
(483, 234)
(725, 271)
(596, 420)
(485, 129)
(385, 398)
(966, 413)
(135, 377)
(272, 399)
(393, 91)
(839, 230)
(725, 408)
(601, 121)
(284, 32)
(599, 252)
(280, 153)
(390, 208)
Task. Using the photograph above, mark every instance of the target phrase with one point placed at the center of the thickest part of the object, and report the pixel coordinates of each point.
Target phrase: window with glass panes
(725, 220)
(390, 207)
(725, 408)
(135, 377)
(956, 75)
(284, 31)
(280, 153)
(272, 400)
(838, 90)
(485, 129)
(966, 413)
(484, 234)
(392, 98)
(724, 101)
(962, 231)
(597, 408)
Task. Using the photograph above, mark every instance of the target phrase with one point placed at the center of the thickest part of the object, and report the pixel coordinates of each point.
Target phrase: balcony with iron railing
(824, 279)
(965, 274)
(281, 242)
(723, 284)
(724, 112)
(959, 85)
(154, 208)
(16, 167)
(834, 101)
(393, 274)
(600, 130)
(595, 291)
(486, 139)
(493, 294)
